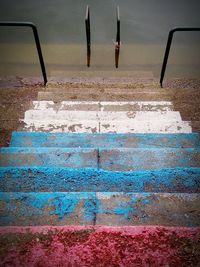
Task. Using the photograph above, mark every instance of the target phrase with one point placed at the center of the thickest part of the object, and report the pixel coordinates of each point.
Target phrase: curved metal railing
(37, 41)
(168, 46)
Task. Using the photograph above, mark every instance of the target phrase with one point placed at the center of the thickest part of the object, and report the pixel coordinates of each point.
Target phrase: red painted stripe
(99, 246)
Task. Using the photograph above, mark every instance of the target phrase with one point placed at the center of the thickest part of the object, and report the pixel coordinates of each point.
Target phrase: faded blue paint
(91, 209)
(126, 159)
(109, 159)
(64, 206)
(92, 180)
(48, 157)
(110, 140)
(40, 208)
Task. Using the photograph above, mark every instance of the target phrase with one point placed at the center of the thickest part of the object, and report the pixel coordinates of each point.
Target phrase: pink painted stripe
(99, 246)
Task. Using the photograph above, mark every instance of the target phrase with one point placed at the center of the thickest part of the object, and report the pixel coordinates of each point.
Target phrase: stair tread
(94, 126)
(27, 179)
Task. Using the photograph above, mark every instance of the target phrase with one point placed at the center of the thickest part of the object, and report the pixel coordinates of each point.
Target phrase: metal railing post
(118, 42)
(88, 35)
(37, 41)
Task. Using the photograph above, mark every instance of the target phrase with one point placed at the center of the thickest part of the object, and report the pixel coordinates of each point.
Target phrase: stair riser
(103, 106)
(131, 116)
(148, 159)
(49, 157)
(113, 160)
(94, 126)
(41, 139)
(91, 180)
(115, 209)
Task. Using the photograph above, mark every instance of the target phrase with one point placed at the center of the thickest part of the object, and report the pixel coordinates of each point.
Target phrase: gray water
(144, 28)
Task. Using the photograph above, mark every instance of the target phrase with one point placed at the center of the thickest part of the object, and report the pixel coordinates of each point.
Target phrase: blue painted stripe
(42, 139)
(65, 179)
(125, 159)
(115, 208)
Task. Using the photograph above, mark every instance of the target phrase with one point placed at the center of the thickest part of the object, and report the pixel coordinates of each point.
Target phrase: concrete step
(131, 116)
(116, 159)
(99, 246)
(104, 105)
(86, 140)
(49, 157)
(39, 179)
(128, 159)
(94, 126)
(154, 126)
(132, 96)
(103, 208)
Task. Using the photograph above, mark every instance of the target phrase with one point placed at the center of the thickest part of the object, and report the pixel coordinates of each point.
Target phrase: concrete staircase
(133, 164)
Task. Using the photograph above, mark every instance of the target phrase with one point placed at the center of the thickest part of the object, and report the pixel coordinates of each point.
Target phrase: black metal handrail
(118, 42)
(88, 35)
(37, 41)
(168, 46)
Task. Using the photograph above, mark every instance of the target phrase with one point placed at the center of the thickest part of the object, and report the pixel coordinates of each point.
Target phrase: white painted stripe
(104, 105)
(62, 126)
(140, 116)
(155, 126)
(51, 114)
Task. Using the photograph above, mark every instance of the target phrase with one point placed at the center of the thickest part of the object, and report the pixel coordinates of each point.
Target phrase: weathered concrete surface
(148, 209)
(154, 126)
(123, 94)
(131, 116)
(116, 159)
(104, 105)
(52, 208)
(127, 159)
(27, 179)
(95, 126)
(99, 246)
(84, 126)
(101, 208)
(49, 157)
(42, 139)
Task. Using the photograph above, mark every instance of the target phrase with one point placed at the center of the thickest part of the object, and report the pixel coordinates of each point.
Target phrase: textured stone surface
(101, 208)
(99, 246)
(41, 179)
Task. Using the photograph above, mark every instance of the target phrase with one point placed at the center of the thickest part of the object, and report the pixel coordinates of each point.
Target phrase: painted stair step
(115, 159)
(43, 179)
(83, 126)
(99, 246)
(101, 208)
(132, 159)
(131, 116)
(49, 157)
(104, 105)
(87, 140)
(154, 126)
(94, 126)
